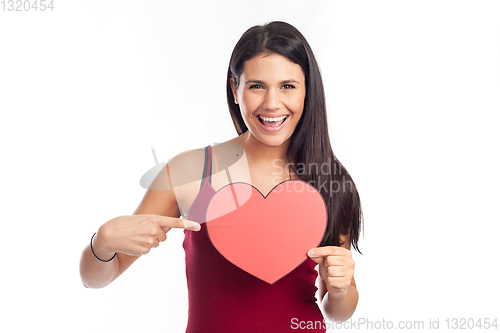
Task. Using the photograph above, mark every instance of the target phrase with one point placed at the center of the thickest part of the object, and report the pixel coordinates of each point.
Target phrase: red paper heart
(267, 237)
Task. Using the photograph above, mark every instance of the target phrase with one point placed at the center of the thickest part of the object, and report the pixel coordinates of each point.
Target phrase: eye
(289, 86)
(255, 86)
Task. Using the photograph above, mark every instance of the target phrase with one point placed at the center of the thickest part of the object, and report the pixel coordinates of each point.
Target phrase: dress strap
(207, 167)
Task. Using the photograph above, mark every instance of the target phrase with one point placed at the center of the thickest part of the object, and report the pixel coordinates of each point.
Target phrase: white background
(87, 90)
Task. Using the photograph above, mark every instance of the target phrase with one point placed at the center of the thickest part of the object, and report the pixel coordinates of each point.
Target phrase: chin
(273, 143)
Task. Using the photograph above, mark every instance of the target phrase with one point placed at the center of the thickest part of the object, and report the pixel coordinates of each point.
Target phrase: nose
(272, 100)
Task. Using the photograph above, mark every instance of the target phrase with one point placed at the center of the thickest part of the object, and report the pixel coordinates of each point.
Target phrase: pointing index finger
(173, 222)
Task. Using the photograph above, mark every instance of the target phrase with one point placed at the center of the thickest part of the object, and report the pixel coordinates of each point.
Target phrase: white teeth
(272, 119)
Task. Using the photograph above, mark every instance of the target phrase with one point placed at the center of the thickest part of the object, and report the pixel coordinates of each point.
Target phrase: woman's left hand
(336, 267)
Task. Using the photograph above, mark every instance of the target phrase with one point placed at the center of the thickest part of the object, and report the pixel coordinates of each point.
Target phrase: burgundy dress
(224, 298)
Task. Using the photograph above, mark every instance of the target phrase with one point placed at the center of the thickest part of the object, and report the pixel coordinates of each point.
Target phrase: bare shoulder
(161, 197)
(166, 195)
(181, 178)
(186, 167)
(185, 174)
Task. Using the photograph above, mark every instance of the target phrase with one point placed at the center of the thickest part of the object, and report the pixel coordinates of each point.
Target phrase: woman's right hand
(135, 235)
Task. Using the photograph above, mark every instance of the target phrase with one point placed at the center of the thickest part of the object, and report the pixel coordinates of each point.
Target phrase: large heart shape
(269, 236)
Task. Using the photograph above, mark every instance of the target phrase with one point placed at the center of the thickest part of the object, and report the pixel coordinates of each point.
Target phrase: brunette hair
(310, 142)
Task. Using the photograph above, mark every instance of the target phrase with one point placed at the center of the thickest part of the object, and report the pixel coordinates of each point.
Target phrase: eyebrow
(262, 82)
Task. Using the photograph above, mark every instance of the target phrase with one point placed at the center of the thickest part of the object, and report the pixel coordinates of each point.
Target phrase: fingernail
(310, 253)
(195, 226)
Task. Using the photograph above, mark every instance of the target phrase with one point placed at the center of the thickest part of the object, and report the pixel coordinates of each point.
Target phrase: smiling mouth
(272, 121)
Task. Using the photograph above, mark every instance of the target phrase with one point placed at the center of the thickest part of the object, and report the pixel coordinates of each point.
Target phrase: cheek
(295, 105)
(250, 103)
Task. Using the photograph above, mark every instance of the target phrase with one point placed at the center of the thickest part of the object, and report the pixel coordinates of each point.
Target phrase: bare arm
(338, 297)
(340, 306)
(161, 203)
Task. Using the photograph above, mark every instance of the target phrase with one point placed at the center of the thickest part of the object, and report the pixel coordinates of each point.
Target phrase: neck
(260, 152)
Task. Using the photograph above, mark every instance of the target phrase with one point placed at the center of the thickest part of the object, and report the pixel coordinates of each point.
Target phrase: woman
(277, 104)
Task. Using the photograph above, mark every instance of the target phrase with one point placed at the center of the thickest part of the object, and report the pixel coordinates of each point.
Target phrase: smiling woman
(271, 99)
(277, 103)
(278, 53)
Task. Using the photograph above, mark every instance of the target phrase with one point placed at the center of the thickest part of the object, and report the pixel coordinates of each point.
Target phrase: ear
(235, 95)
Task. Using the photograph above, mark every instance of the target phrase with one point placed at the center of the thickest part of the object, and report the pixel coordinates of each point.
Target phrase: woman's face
(271, 97)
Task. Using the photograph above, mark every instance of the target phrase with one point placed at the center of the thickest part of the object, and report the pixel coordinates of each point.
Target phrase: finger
(334, 261)
(161, 235)
(151, 242)
(335, 271)
(318, 260)
(156, 243)
(172, 222)
(327, 251)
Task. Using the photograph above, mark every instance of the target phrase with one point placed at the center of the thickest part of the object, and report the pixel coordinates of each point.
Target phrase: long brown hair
(309, 147)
